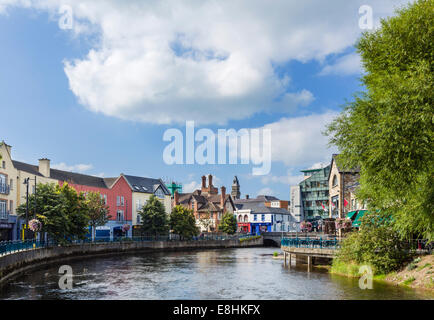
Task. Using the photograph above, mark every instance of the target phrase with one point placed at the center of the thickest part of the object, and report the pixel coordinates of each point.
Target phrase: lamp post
(26, 182)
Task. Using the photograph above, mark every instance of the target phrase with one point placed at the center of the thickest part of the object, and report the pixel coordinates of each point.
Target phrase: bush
(275, 253)
(376, 244)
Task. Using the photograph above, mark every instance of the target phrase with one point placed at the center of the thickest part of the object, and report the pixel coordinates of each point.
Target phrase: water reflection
(212, 274)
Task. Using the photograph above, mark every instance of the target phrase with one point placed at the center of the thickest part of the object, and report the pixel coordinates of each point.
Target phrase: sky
(93, 85)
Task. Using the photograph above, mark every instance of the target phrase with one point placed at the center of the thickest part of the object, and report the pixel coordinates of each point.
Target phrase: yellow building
(13, 175)
(142, 189)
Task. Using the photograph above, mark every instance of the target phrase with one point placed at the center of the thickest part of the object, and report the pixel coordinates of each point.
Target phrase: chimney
(247, 197)
(203, 182)
(44, 167)
(176, 198)
(210, 180)
(222, 198)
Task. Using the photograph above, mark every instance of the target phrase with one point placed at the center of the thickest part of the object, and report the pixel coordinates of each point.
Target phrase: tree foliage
(98, 211)
(62, 211)
(183, 223)
(228, 224)
(376, 244)
(387, 131)
(154, 217)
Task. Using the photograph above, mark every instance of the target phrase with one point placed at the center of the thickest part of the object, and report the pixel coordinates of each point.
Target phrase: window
(335, 181)
(255, 217)
(138, 204)
(3, 209)
(105, 199)
(246, 218)
(263, 217)
(138, 219)
(11, 206)
(159, 193)
(239, 218)
(118, 201)
(192, 205)
(120, 215)
(122, 201)
(11, 184)
(4, 164)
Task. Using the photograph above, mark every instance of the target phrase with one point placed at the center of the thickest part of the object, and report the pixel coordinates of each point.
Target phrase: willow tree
(387, 130)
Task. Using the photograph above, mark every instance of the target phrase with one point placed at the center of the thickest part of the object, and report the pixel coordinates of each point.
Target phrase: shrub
(376, 244)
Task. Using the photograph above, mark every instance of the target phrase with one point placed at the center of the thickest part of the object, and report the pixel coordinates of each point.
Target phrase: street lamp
(26, 182)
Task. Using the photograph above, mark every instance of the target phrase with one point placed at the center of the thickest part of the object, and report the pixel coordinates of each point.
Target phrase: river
(249, 273)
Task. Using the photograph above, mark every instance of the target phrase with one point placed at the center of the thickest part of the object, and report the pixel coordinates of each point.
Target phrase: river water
(248, 273)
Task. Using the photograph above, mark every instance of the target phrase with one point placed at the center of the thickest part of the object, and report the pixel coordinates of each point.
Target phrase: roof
(260, 198)
(204, 202)
(27, 168)
(146, 185)
(78, 178)
(340, 169)
(70, 177)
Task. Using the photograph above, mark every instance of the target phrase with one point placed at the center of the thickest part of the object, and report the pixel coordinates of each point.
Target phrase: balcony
(4, 215)
(4, 188)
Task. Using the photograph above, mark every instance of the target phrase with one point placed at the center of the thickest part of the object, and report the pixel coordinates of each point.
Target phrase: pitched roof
(78, 178)
(146, 185)
(70, 177)
(27, 168)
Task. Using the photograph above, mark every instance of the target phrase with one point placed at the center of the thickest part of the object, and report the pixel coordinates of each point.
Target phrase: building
(124, 195)
(235, 193)
(343, 184)
(263, 214)
(315, 193)
(296, 207)
(207, 204)
(13, 191)
(141, 190)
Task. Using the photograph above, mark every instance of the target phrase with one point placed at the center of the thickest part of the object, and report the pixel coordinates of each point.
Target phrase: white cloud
(299, 141)
(211, 61)
(191, 186)
(265, 192)
(347, 65)
(73, 168)
(288, 179)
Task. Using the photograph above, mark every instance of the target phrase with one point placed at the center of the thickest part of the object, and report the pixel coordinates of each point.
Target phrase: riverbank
(419, 274)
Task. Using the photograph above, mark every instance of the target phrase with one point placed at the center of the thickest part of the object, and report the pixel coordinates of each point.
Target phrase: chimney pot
(210, 180)
(247, 196)
(203, 182)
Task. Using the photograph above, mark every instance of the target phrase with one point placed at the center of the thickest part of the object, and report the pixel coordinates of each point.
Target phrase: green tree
(228, 224)
(387, 130)
(376, 244)
(98, 211)
(62, 211)
(183, 223)
(154, 217)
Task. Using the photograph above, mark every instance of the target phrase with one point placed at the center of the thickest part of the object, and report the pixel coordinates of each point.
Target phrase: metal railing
(314, 243)
(4, 188)
(7, 247)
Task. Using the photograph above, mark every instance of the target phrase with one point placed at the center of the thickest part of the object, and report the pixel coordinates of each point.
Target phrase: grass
(408, 281)
(347, 269)
(427, 265)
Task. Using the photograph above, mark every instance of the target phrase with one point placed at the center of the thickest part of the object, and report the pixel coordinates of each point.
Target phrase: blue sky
(98, 98)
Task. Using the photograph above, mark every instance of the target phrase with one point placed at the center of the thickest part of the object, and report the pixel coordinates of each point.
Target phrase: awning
(351, 215)
(357, 220)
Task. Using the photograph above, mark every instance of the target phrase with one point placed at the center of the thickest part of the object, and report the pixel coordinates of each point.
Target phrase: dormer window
(159, 193)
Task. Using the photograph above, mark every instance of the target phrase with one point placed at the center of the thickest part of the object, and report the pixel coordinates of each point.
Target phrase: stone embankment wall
(13, 264)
